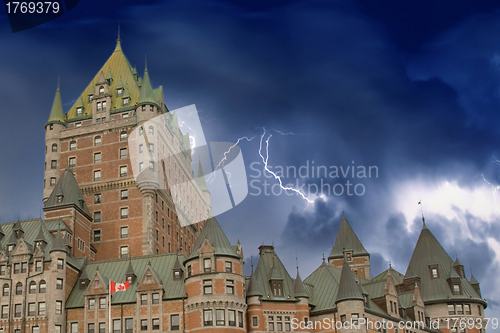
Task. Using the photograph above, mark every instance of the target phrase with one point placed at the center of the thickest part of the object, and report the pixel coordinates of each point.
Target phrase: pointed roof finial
(422, 210)
(58, 81)
(323, 256)
(118, 31)
(297, 262)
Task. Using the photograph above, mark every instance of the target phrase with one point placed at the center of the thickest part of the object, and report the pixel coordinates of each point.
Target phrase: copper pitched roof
(216, 237)
(348, 288)
(56, 113)
(347, 240)
(67, 192)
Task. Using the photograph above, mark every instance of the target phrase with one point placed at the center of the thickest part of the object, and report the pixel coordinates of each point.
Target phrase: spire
(56, 113)
(67, 192)
(255, 288)
(216, 237)
(299, 290)
(347, 240)
(348, 288)
(119, 84)
(200, 178)
(40, 238)
(118, 47)
(130, 274)
(147, 95)
(109, 76)
(58, 244)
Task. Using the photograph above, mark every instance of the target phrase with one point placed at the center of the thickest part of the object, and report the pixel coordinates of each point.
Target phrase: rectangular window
(102, 303)
(124, 232)
(467, 309)
(41, 308)
(99, 106)
(117, 327)
(141, 166)
(53, 164)
(354, 318)
(97, 158)
(24, 267)
(74, 328)
(35, 329)
(104, 105)
(5, 311)
(156, 298)
(124, 194)
(451, 309)
(91, 327)
(151, 165)
(97, 235)
(17, 268)
(220, 315)
(59, 284)
(91, 303)
(255, 321)
(3, 269)
(97, 217)
(144, 299)
(129, 325)
(230, 290)
(174, 322)
(58, 307)
(207, 287)
(207, 263)
(52, 181)
(231, 317)
(240, 319)
(144, 325)
(124, 252)
(459, 309)
(123, 171)
(97, 175)
(229, 267)
(123, 153)
(31, 309)
(208, 318)
(72, 145)
(102, 327)
(124, 212)
(38, 266)
(156, 324)
(97, 198)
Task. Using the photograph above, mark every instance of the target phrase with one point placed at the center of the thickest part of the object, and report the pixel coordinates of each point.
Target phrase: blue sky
(410, 87)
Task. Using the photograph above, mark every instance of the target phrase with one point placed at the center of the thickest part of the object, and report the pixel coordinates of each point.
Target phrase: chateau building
(103, 225)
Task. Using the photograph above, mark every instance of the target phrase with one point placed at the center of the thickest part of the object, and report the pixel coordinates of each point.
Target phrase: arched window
(151, 130)
(5, 290)
(32, 289)
(19, 288)
(42, 286)
(54, 147)
(97, 141)
(101, 90)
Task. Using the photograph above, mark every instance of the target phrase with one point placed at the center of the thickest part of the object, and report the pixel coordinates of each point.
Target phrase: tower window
(124, 212)
(54, 148)
(207, 264)
(124, 252)
(97, 141)
(97, 158)
(124, 232)
(97, 175)
(123, 152)
(97, 217)
(101, 90)
(151, 130)
(97, 198)
(53, 164)
(97, 235)
(208, 318)
(72, 145)
(123, 136)
(72, 162)
(123, 171)
(123, 194)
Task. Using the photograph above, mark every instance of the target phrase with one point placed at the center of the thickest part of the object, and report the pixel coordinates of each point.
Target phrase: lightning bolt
(495, 188)
(265, 161)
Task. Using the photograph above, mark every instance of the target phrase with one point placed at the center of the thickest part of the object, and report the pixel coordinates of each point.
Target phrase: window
(163, 223)
(102, 303)
(156, 323)
(53, 164)
(123, 153)
(156, 298)
(52, 181)
(144, 299)
(91, 328)
(140, 130)
(255, 321)
(123, 251)
(97, 198)
(97, 235)
(102, 327)
(3, 269)
(456, 289)
(459, 309)
(348, 256)
(97, 217)
(42, 286)
(126, 101)
(97, 141)
(151, 130)
(81, 245)
(17, 310)
(208, 318)
(38, 266)
(119, 92)
(17, 268)
(78, 124)
(151, 165)
(140, 148)
(123, 171)
(220, 317)
(124, 232)
(24, 267)
(240, 319)
(74, 328)
(231, 317)
(54, 147)
(58, 307)
(32, 287)
(151, 147)
(207, 264)
(174, 322)
(99, 108)
(124, 212)
(354, 318)
(41, 308)
(91, 303)
(97, 158)
(117, 326)
(467, 309)
(97, 175)
(144, 325)
(101, 90)
(230, 287)
(59, 284)
(5, 311)
(141, 166)
(79, 111)
(189, 270)
(229, 267)
(123, 136)
(207, 287)
(129, 325)
(123, 194)
(31, 309)
(60, 263)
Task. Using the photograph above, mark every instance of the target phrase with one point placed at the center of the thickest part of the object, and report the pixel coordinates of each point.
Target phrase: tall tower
(53, 128)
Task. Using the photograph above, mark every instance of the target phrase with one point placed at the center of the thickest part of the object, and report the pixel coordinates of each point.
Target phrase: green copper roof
(68, 188)
(275, 271)
(396, 276)
(429, 252)
(326, 280)
(254, 288)
(56, 113)
(147, 94)
(347, 240)
(348, 288)
(216, 237)
(473, 280)
(116, 270)
(299, 290)
(58, 244)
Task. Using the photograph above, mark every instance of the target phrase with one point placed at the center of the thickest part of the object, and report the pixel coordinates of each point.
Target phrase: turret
(147, 108)
(350, 302)
(53, 128)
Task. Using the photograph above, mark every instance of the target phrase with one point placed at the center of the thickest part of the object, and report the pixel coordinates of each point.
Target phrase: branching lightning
(265, 160)
(495, 188)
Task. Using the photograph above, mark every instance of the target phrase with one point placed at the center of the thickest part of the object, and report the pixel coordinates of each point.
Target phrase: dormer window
(119, 92)
(10, 248)
(99, 106)
(434, 271)
(126, 101)
(90, 98)
(456, 289)
(207, 264)
(79, 111)
(101, 90)
(348, 256)
(277, 287)
(59, 198)
(177, 274)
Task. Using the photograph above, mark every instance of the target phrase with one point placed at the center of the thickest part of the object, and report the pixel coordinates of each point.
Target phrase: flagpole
(109, 318)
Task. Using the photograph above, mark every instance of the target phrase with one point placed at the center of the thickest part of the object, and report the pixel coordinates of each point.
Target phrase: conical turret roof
(299, 290)
(348, 288)
(255, 288)
(56, 113)
(216, 237)
(58, 244)
(347, 240)
(147, 94)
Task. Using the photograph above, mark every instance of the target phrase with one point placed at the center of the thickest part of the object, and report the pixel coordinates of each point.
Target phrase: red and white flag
(114, 287)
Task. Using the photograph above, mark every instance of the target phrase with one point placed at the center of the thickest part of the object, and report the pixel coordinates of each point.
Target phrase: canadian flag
(114, 287)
